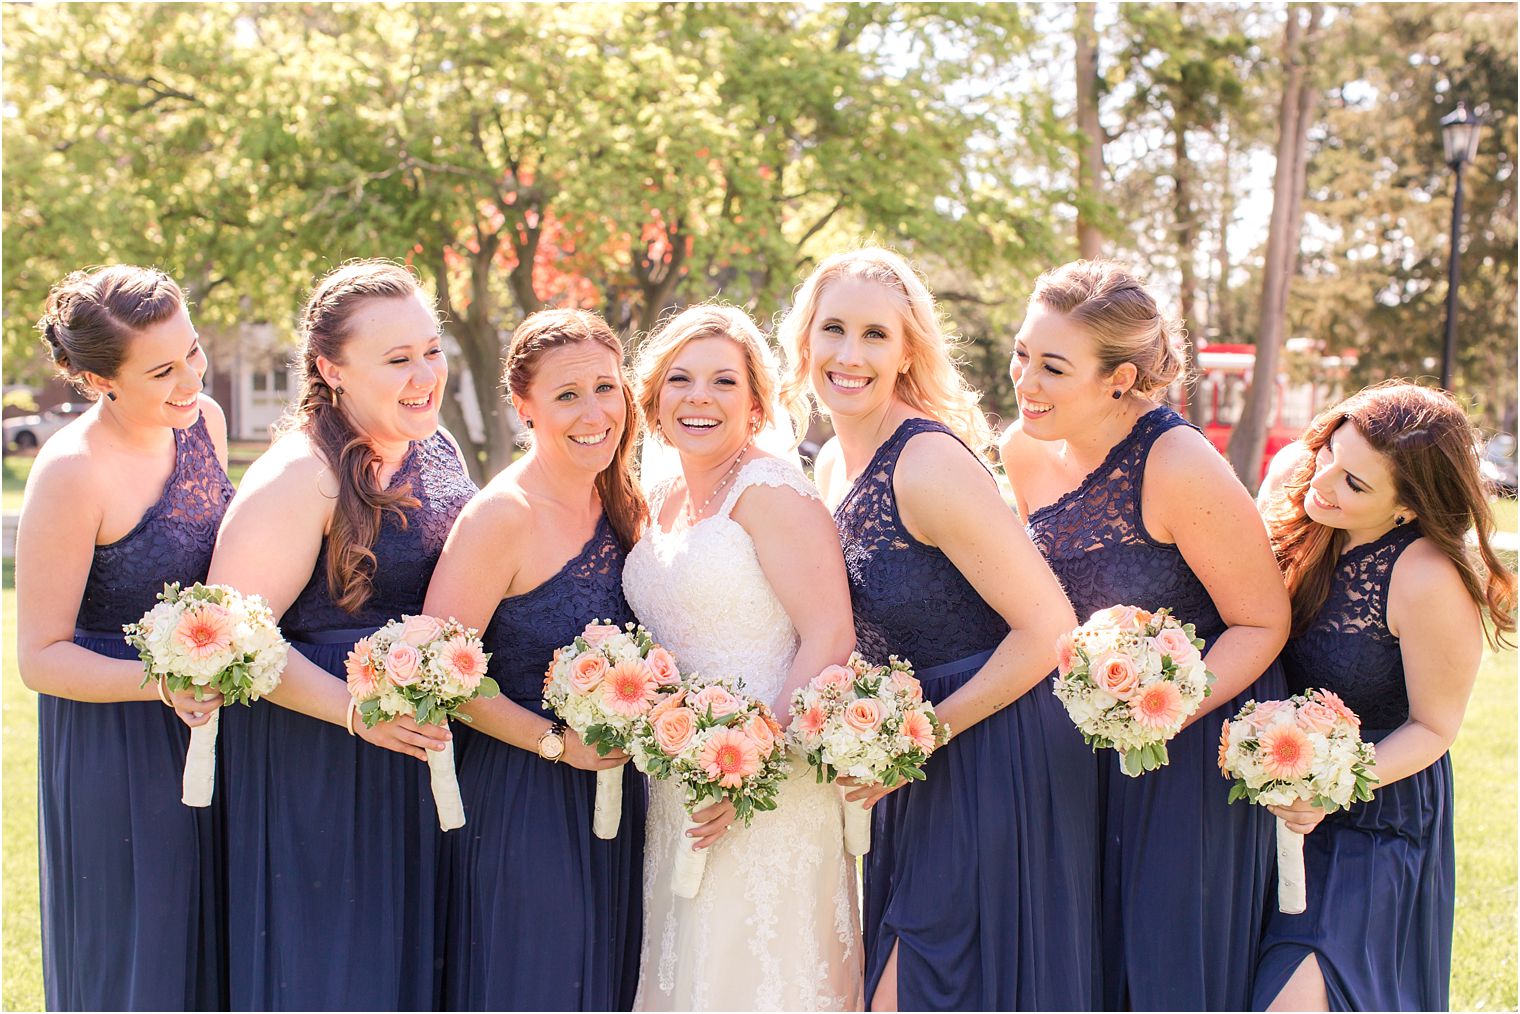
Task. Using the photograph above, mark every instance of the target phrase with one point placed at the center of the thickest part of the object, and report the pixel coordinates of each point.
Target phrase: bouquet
(427, 669)
(209, 637)
(1307, 747)
(601, 685)
(1129, 679)
(869, 722)
(718, 744)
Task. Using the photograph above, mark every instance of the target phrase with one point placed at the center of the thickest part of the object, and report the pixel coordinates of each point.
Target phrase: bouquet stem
(857, 828)
(200, 763)
(609, 803)
(1291, 893)
(445, 787)
(686, 876)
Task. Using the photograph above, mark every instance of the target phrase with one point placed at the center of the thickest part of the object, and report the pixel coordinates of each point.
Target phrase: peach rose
(836, 677)
(1266, 713)
(670, 703)
(663, 666)
(1176, 644)
(402, 663)
(419, 630)
(908, 684)
(586, 672)
(759, 730)
(718, 699)
(674, 729)
(1316, 717)
(1117, 617)
(1116, 674)
(596, 633)
(864, 715)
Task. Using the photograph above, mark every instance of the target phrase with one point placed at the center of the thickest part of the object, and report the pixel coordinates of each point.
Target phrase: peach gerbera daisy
(1158, 705)
(729, 757)
(204, 633)
(1285, 752)
(628, 689)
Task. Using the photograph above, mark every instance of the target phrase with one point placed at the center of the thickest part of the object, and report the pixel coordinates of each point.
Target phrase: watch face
(551, 746)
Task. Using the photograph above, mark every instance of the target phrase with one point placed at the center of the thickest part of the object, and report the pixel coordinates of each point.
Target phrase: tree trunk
(1187, 236)
(1090, 147)
(1224, 316)
(1248, 441)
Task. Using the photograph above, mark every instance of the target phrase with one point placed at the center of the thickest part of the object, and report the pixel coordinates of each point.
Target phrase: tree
(1090, 145)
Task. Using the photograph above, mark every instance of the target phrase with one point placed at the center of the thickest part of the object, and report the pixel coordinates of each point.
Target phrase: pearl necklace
(691, 516)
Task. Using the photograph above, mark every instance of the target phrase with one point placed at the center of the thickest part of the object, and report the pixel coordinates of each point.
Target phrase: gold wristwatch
(551, 745)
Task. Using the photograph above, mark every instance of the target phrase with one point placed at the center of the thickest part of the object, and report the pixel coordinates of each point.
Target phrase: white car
(27, 432)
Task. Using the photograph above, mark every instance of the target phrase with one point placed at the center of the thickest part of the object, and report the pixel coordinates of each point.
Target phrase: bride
(740, 574)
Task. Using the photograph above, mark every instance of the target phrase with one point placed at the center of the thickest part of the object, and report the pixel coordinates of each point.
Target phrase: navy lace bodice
(1348, 649)
(909, 599)
(526, 628)
(1095, 539)
(172, 542)
(405, 555)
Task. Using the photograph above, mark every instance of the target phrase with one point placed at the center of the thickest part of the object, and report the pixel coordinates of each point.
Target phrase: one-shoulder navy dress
(1185, 874)
(1381, 874)
(983, 875)
(542, 914)
(131, 904)
(333, 844)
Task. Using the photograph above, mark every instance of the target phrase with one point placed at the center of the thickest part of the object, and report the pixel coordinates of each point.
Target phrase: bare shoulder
(1017, 447)
(292, 467)
(1426, 578)
(65, 470)
(501, 508)
(934, 462)
(827, 464)
(216, 421)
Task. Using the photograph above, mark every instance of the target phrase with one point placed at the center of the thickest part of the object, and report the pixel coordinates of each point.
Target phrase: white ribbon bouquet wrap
(209, 638)
(602, 685)
(866, 722)
(1307, 747)
(426, 669)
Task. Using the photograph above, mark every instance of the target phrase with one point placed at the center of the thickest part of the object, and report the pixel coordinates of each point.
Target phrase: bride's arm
(798, 548)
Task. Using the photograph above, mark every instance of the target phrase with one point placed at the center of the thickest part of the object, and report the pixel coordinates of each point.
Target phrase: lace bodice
(405, 555)
(1095, 539)
(172, 542)
(526, 629)
(910, 600)
(1348, 649)
(702, 594)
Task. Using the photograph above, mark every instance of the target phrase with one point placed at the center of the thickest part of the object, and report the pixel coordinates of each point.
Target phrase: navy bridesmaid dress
(333, 844)
(1185, 874)
(542, 914)
(130, 876)
(1381, 874)
(983, 875)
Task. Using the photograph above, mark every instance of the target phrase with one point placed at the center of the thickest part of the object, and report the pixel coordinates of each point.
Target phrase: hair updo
(91, 316)
(1123, 319)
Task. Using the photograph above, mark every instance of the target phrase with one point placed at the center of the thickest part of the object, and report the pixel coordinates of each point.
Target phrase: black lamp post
(1459, 136)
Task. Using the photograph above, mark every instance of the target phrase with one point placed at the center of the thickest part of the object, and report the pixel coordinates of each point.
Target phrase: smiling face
(857, 347)
(577, 405)
(160, 375)
(1352, 487)
(707, 410)
(393, 370)
(1059, 381)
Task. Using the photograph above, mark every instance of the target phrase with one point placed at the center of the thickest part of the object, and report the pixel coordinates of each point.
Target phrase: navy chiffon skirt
(333, 856)
(130, 877)
(1187, 876)
(1381, 896)
(541, 914)
(985, 874)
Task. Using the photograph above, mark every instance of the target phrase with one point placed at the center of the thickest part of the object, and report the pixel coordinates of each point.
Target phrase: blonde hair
(715, 320)
(931, 384)
(1125, 324)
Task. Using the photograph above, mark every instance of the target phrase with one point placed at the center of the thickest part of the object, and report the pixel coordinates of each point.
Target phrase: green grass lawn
(1483, 965)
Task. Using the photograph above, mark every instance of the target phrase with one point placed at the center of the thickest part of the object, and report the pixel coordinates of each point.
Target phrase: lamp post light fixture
(1459, 136)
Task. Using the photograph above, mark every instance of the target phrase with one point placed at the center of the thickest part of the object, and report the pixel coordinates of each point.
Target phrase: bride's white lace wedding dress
(774, 926)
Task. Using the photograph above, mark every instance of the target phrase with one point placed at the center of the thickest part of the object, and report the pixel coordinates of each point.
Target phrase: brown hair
(1125, 323)
(1430, 449)
(622, 500)
(324, 331)
(716, 320)
(90, 317)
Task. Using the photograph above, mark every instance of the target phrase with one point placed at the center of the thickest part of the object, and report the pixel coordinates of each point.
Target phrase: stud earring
(528, 423)
(111, 395)
(1118, 395)
(1399, 519)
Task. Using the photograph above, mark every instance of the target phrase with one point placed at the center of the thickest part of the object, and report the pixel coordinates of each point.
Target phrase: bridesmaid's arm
(1192, 498)
(947, 499)
(474, 573)
(798, 549)
(55, 546)
(1440, 636)
(268, 546)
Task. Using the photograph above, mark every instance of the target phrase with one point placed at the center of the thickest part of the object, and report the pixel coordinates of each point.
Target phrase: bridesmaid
(120, 501)
(543, 915)
(1132, 505)
(980, 885)
(1370, 527)
(333, 846)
